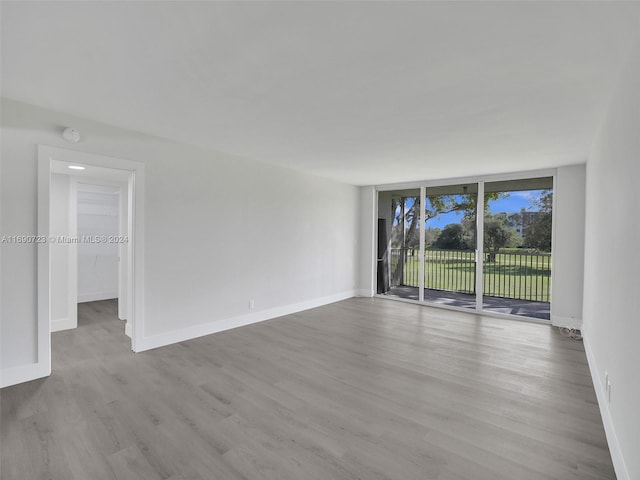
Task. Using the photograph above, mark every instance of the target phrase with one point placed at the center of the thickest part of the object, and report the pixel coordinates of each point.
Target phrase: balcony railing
(507, 274)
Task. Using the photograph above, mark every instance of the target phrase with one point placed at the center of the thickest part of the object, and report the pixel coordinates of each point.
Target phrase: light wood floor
(362, 389)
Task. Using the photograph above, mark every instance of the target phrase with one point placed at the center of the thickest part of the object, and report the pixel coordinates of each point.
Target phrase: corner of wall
(566, 322)
(364, 293)
(367, 242)
(568, 246)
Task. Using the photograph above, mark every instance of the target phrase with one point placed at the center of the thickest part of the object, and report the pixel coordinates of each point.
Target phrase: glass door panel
(398, 265)
(450, 245)
(517, 247)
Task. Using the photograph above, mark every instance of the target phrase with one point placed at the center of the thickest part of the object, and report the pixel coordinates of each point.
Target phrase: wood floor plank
(360, 389)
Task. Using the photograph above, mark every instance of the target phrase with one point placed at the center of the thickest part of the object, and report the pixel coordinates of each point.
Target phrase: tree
(413, 239)
(431, 234)
(469, 228)
(497, 235)
(452, 238)
(406, 211)
(439, 205)
(538, 233)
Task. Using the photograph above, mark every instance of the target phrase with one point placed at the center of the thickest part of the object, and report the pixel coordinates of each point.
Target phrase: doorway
(63, 177)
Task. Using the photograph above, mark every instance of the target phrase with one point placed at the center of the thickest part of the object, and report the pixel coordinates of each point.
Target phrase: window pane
(517, 247)
(398, 243)
(450, 241)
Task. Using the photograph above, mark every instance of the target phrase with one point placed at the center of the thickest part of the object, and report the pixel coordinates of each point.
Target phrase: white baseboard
(23, 373)
(200, 330)
(619, 464)
(364, 293)
(127, 329)
(567, 322)
(63, 324)
(96, 296)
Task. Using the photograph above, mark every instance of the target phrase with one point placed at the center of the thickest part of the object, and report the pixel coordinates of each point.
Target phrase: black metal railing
(521, 275)
(450, 270)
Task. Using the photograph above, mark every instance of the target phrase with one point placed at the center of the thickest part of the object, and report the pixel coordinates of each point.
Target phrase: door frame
(123, 230)
(135, 246)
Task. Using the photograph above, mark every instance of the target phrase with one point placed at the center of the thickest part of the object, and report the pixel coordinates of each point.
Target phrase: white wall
(98, 216)
(220, 230)
(612, 263)
(568, 246)
(367, 244)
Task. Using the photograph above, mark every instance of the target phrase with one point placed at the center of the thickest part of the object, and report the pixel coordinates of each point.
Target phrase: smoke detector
(71, 135)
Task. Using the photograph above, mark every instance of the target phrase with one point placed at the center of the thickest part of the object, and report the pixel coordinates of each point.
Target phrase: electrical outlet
(607, 386)
(252, 304)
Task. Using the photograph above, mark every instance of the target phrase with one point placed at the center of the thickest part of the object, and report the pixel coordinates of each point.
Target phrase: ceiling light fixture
(76, 167)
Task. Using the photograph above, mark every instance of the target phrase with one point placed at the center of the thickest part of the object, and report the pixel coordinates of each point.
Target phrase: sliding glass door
(517, 247)
(450, 245)
(398, 264)
(476, 245)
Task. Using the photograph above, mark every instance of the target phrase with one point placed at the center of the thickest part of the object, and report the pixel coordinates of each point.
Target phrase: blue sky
(514, 202)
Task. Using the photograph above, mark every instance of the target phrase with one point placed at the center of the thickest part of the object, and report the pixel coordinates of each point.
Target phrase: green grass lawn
(513, 274)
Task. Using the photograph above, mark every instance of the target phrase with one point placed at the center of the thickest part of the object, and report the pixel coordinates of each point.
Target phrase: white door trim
(136, 193)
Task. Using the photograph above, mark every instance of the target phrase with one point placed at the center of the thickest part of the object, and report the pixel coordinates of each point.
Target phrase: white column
(479, 243)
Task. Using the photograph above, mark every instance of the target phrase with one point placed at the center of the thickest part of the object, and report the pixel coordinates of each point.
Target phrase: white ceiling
(360, 92)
